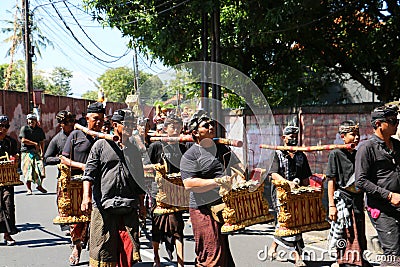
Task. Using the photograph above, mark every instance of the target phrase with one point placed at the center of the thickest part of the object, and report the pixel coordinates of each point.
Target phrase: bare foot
(75, 255)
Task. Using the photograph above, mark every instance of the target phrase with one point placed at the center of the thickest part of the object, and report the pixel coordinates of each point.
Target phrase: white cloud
(81, 83)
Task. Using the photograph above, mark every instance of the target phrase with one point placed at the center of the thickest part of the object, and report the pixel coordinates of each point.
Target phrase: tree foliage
(90, 95)
(61, 82)
(55, 83)
(117, 83)
(287, 47)
(40, 41)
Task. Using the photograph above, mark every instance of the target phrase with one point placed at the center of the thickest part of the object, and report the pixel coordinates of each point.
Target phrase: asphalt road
(41, 243)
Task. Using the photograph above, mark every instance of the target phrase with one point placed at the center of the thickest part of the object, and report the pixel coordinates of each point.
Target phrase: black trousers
(388, 229)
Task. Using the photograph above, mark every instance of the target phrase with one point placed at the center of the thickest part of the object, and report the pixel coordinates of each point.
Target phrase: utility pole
(204, 71)
(135, 69)
(28, 55)
(216, 71)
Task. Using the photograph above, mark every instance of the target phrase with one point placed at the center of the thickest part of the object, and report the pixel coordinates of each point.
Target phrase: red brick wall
(319, 126)
(14, 104)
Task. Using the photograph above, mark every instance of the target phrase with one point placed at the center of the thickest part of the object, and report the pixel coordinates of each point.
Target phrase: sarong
(78, 232)
(167, 228)
(32, 167)
(114, 239)
(7, 210)
(356, 242)
(211, 247)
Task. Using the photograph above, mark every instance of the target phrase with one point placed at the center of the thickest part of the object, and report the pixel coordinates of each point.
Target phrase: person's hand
(86, 206)
(82, 166)
(333, 213)
(395, 200)
(37, 147)
(225, 183)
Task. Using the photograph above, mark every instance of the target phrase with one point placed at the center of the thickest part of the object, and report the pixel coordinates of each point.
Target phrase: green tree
(61, 82)
(15, 28)
(117, 83)
(90, 95)
(17, 78)
(40, 81)
(288, 48)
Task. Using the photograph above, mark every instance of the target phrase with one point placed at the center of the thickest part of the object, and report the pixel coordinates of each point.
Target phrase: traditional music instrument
(189, 138)
(245, 207)
(69, 199)
(300, 209)
(172, 195)
(8, 171)
(308, 148)
(110, 137)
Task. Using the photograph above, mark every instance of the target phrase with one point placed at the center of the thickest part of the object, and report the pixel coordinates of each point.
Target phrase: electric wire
(124, 54)
(68, 36)
(77, 40)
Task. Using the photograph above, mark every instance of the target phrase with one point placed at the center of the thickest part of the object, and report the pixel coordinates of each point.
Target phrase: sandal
(75, 255)
(300, 263)
(8, 241)
(157, 262)
(41, 189)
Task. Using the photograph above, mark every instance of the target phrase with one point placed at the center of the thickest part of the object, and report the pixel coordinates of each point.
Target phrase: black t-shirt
(172, 153)
(290, 168)
(77, 147)
(341, 167)
(107, 168)
(55, 148)
(33, 134)
(206, 163)
(8, 145)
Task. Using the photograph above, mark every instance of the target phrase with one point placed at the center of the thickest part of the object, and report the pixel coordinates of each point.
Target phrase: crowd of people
(114, 190)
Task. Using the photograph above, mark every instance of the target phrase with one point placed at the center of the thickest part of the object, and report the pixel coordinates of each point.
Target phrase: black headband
(96, 107)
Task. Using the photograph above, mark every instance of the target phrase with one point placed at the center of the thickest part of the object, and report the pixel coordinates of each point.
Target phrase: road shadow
(43, 242)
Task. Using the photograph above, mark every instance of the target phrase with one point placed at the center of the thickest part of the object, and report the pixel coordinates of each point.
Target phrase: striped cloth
(343, 221)
(32, 167)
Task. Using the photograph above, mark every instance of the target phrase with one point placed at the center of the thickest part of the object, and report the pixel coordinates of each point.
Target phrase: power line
(125, 53)
(66, 43)
(153, 15)
(76, 39)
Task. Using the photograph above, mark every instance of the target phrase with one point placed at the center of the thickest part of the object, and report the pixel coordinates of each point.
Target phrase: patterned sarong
(114, 239)
(211, 246)
(32, 167)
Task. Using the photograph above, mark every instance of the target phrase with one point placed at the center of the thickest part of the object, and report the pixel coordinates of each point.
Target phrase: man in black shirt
(288, 166)
(66, 121)
(7, 204)
(168, 228)
(32, 147)
(75, 154)
(377, 172)
(114, 225)
(204, 169)
(342, 193)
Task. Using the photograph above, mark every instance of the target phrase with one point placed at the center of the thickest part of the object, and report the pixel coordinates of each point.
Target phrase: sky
(105, 43)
